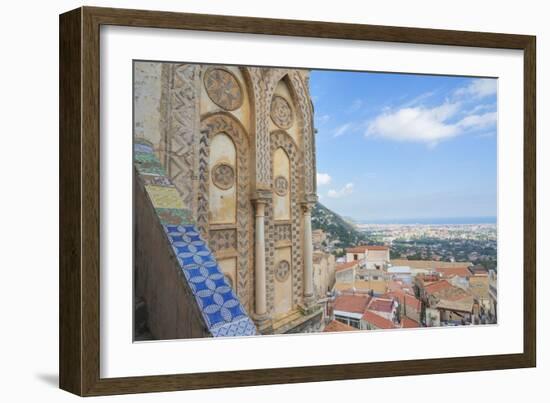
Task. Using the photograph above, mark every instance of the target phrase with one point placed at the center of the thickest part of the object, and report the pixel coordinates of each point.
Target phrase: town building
(346, 272)
(402, 273)
(370, 256)
(450, 304)
(409, 305)
(349, 309)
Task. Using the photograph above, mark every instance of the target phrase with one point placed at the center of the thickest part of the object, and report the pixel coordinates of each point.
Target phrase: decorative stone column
(260, 200)
(308, 254)
(259, 260)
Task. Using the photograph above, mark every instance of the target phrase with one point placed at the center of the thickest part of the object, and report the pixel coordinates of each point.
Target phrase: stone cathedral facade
(238, 145)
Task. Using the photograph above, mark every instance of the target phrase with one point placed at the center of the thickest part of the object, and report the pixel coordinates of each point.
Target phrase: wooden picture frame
(79, 200)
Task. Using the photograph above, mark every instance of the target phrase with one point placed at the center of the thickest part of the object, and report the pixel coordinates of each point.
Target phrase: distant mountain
(335, 226)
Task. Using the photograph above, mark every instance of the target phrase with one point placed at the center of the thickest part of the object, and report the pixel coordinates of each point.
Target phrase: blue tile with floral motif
(220, 307)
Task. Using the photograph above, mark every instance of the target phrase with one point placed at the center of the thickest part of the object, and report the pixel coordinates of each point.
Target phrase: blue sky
(400, 146)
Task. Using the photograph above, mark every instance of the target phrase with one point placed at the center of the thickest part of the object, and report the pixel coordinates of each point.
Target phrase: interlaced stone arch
(281, 139)
(301, 99)
(211, 125)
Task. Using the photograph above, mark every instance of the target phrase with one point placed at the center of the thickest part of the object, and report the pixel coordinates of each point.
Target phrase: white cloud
(345, 191)
(479, 121)
(341, 130)
(323, 179)
(417, 100)
(419, 124)
(479, 108)
(427, 125)
(478, 88)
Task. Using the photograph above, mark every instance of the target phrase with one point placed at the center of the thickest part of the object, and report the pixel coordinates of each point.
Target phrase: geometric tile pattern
(218, 303)
(164, 197)
(221, 309)
(174, 216)
(243, 327)
(222, 239)
(283, 232)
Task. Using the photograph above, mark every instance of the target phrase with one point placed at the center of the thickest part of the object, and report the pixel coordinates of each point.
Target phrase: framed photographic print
(250, 201)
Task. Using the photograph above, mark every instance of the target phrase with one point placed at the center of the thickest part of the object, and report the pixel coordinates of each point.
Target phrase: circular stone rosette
(282, 271)
(281, 112)
(223, 88)
(280, 186)
(223, 176)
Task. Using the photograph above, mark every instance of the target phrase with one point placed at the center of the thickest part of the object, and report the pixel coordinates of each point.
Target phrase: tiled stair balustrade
(221, 312)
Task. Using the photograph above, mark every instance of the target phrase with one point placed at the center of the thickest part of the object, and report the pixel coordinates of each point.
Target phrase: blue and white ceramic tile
(142, 148)
(220, 307)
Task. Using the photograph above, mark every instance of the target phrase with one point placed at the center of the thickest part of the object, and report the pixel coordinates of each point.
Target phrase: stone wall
(171, 309)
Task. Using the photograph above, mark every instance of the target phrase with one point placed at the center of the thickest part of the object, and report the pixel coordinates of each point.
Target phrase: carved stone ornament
(228, 279)
(282, 271)
(280, 186)
(281, 112)
(223, 176)
(223, 88)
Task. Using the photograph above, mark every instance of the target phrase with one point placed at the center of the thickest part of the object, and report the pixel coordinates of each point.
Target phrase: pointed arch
(302, 103)
(211, 125)
(281, 139)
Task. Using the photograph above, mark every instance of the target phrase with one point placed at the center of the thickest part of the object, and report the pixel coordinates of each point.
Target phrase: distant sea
(434, 221)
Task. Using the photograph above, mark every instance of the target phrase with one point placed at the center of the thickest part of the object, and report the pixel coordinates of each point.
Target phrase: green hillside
(336, 227)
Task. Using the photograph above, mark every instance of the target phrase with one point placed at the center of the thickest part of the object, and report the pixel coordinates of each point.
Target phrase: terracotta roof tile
(351, 303)
(380, 305)
(437, 286)
(378, 321)
(443, 290)
(336, 326)
(345, 266)
(401, 296)
(407, 323)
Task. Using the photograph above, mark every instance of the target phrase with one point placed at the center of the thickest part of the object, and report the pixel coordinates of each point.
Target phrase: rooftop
(378, 321)
(408, 323)
(443, 290)
(428, 264)
(399, 270)
(409, 300)
(380, 305)
(377, 286)
(464, 304)
(351, 303)
(454, 271)
(336, 326)
(437, 286)
(345, 266)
